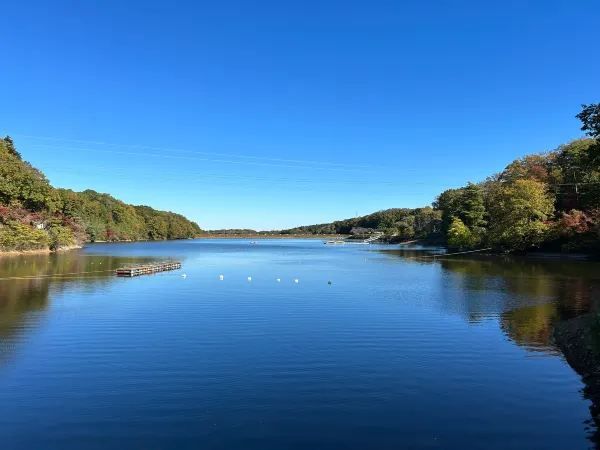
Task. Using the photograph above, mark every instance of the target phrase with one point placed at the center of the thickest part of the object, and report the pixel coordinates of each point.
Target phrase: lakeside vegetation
(399, 223)
(549, 200)
(36, 216)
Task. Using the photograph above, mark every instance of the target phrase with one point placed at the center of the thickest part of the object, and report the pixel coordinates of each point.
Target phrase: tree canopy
(590, 119)
(548, 200)
(34, 215)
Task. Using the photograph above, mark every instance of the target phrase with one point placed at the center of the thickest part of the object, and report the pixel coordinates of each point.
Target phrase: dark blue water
(395, 353)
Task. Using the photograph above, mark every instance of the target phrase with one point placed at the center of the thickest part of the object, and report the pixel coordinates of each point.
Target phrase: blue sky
(270, 114)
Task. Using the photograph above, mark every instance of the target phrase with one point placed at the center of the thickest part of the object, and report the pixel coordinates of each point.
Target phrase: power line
(258, 160)
(234, 178)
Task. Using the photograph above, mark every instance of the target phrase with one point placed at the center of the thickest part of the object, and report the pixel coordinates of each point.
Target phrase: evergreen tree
(472, 208)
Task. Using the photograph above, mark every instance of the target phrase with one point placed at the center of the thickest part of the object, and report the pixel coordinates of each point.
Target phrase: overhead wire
(196, 152)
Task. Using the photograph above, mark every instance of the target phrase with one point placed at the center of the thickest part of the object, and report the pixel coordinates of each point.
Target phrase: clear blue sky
(270, 114)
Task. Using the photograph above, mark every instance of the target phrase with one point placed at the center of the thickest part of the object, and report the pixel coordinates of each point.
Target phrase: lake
(373, 347)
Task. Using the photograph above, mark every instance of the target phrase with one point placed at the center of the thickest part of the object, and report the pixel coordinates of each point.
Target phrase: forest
(36, 216)
(549, 200)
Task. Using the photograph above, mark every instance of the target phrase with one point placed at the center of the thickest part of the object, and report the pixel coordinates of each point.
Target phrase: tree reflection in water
(26, 281)
(550, 306)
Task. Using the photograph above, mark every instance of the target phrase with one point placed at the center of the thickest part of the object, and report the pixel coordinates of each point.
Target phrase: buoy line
(75, 276)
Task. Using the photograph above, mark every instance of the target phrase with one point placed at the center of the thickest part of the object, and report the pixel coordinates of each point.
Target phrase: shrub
(18, 236)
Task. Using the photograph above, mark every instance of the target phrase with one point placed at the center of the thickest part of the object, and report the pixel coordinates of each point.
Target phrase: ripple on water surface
(394, 353)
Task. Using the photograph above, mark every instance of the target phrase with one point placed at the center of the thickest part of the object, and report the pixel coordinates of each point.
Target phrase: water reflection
(550, 306)
(532, 326)
(528, 295)
(535, 294)
(26, 282)
(311, 357)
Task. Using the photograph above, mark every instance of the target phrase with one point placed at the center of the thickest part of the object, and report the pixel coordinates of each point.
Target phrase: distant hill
(400, 223)
(36, 216)
(233, 232)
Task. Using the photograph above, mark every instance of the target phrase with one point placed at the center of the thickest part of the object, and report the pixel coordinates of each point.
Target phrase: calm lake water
(396, 352)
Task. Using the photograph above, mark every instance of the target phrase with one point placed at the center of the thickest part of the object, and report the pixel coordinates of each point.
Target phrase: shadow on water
(547, 305)
(26, 282)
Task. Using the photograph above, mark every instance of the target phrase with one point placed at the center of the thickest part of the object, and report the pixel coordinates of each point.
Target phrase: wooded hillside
(34, 215)
(549, 200)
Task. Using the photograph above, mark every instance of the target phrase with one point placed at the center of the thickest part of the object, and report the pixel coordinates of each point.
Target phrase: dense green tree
(448, 202)
(427, 222)
(34, 215)
(590, 119)
(466, 204)
(472, 208)
(20, 184)
(577, 175)
(460, 236)
(519, 218)
(10, 147)
(405, 227)
(60, 236)
(18, 236)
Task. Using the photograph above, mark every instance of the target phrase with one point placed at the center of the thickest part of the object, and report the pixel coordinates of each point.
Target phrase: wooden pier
(147, 269)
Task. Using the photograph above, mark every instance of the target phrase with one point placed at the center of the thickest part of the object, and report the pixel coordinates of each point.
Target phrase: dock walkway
(147, 269)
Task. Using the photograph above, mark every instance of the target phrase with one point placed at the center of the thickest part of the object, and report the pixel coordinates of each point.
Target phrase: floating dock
(147, 269)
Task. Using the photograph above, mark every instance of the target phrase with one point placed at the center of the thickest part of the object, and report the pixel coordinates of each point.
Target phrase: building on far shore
(362, 232)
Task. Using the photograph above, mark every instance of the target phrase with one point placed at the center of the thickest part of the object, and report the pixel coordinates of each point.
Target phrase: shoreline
(39, 251)
(47, 251)
(531, 255)
(271, 236)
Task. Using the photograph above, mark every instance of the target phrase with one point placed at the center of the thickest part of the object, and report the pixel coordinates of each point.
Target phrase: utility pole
(577, 195)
